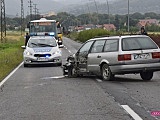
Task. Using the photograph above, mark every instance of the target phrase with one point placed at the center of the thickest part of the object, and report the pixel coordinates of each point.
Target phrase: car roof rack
(117, 35)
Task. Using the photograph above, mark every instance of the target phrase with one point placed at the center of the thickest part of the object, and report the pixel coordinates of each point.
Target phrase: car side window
(98, 46)
(86, 47)
(111, 45)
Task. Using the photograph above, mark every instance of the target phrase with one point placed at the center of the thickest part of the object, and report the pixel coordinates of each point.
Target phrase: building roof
(109, 27)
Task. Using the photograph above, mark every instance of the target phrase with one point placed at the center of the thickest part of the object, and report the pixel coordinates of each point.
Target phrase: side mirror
(28, 25)
(77, 53)
(61, 46)
(23, 47)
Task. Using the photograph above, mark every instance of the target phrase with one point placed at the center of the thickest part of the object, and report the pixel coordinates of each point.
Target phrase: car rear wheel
(146, 75)
(106, 73)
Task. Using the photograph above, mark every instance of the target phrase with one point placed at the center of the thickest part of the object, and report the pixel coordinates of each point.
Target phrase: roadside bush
(156, 38)
(73, 35)
(88, 34)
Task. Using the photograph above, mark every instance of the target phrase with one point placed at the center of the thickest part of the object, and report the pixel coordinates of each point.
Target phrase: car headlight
(27, 53)
(57, 52)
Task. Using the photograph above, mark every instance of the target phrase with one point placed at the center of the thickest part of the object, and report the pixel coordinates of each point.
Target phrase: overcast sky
(13, 7)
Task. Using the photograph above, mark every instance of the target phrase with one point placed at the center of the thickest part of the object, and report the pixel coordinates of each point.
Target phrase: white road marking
(69, 51)
(99, 80)
(131, 112)
(5, 79)
(56, 77)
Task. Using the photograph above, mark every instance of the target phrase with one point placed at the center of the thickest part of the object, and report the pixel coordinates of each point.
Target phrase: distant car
(42, 50)
(109, 56)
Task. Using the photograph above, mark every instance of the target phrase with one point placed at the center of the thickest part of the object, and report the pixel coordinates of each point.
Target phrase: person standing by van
(27, 38)
(143, 31)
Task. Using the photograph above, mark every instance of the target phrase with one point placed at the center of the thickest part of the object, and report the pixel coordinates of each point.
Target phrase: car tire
(59, 64)
(106, 73)
(147, 76)
(72, 72)
(25, 65)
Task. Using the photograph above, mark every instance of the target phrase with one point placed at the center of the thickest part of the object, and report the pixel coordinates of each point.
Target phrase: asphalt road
(42, 93)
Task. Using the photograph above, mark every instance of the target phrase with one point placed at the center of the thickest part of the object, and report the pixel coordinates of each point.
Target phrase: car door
(82, 56)
(107, 51)
(94, 57)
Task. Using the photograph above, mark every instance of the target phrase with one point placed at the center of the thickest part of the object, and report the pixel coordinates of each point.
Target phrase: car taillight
(156, 55)
(124, 57)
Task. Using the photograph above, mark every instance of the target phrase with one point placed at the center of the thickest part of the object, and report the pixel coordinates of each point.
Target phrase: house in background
(147, 22)
(109, 27)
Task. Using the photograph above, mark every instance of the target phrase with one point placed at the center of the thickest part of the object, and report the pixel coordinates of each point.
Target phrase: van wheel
(146, 75)
(106, 73)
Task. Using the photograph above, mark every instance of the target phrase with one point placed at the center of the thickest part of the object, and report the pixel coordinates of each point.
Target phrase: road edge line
(134, 115)
(8, 76)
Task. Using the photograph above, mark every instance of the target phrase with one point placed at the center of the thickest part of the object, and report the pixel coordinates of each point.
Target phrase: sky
(13, 7)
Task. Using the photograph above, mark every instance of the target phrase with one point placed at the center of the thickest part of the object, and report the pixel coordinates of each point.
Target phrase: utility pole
(96, 6)
(108, 12)
(3, 22)
(96, 10)
(35, 11)
(22, 17)
(128, 15)
(30, 6)
(89, 13)
(38, 13)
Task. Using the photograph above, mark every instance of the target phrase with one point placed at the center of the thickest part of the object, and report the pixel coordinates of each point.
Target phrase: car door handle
(98, 56)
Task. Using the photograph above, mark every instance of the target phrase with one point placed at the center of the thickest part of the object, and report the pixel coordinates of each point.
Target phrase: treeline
(120, 21)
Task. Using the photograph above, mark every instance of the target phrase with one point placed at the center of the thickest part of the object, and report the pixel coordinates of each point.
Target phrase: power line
(3, 21)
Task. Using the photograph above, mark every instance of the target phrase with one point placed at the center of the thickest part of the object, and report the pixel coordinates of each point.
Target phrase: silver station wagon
(108, 56)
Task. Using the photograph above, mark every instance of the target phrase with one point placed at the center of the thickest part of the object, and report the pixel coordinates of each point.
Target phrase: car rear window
(138, 43)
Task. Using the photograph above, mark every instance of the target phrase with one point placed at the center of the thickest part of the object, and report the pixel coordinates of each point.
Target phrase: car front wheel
(25, 65)
(106, 72)
(146, 75)
(72, 72)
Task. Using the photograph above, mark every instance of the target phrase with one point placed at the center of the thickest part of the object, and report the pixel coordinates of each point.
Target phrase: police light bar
(43, 34)
(51, 33)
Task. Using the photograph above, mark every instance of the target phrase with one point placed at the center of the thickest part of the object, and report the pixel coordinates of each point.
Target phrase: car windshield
(137, 43)
(42, 43)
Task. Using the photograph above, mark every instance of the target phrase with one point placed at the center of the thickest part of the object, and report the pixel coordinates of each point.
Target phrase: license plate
(142, 56)
(42, 59)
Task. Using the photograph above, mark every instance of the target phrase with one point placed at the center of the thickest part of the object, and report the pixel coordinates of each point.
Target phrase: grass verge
(10, 53)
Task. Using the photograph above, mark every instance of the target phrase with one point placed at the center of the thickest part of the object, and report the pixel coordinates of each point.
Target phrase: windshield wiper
(34, 44)
(45, 45)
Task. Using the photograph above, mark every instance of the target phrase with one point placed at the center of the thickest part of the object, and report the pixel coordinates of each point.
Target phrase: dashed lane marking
(69, 51)
(131, 112)
(99, 80)
(5, 79)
